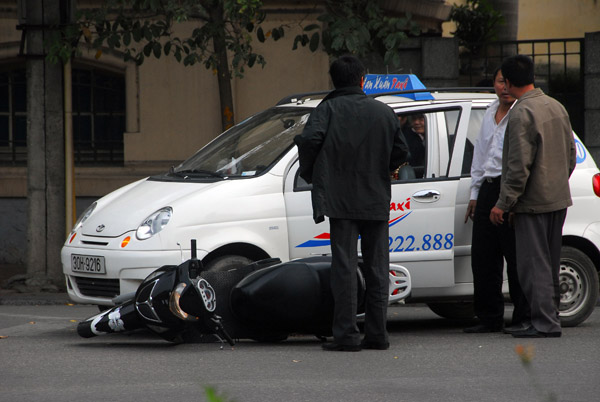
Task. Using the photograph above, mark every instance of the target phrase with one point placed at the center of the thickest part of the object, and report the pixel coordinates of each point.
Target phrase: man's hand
(496, 216)
(470, 210)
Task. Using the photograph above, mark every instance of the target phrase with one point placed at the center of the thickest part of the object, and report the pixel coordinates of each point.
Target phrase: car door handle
(426, 196)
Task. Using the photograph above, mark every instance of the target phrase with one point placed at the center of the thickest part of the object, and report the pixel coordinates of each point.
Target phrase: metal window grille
(13, 117)
(98, 117)
(559, 69)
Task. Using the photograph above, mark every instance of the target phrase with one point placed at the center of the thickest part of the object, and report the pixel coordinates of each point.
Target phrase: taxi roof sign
(380, 84)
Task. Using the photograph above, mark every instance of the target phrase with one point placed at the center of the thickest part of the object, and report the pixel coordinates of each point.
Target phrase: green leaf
(314, 42)
(148, 49)
(167, 48)
(311, 27)
(137, 34)
(281, 32)
(251, 59)
(305, 39)
(260, 34)
(275, 34)
(337, 42)
(127, 38)
(157, 49)
(147, 33)
(297, 39)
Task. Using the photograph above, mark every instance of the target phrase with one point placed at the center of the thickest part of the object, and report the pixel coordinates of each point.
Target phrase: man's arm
(311, 140)
(518, 156)
(477, 170)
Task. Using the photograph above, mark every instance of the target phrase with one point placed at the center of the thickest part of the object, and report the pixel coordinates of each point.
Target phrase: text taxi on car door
(241, 197)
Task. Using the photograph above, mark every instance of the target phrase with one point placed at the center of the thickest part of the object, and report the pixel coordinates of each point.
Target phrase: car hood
(116, 215)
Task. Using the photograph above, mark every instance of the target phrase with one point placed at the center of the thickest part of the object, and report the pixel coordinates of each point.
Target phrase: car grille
(98, 287)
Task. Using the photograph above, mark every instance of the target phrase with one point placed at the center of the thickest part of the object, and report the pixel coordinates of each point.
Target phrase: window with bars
(13, 117)
(98, 116)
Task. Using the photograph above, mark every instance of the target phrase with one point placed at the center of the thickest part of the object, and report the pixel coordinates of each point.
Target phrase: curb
(13, 298)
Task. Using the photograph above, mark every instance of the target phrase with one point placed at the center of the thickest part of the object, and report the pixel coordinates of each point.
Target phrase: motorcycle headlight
(154, 223)
(84, 216)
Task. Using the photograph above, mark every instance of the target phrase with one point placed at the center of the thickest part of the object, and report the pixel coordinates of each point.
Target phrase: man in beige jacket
(538, 158)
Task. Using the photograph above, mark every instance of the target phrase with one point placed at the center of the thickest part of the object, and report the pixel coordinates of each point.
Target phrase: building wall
(173, 110)
(550, 19)
(547, 19)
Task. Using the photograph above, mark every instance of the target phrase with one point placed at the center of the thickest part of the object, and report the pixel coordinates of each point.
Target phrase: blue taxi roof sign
(380, 84)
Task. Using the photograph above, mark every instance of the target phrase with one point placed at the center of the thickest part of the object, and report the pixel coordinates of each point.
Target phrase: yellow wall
(551, 19)
(546, 19)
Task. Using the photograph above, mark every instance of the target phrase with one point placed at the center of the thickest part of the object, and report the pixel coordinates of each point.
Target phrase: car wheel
(454, 310)
(578, 284)
(227, 263)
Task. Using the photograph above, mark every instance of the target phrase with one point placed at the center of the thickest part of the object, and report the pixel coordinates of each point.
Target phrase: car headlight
(154, 223)
(84, 216)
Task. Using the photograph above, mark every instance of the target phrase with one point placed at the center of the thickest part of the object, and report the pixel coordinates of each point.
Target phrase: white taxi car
(241, 198)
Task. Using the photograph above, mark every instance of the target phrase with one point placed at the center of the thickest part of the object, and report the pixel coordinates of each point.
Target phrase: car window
(415, 127)
(472, 133)
(249, 148)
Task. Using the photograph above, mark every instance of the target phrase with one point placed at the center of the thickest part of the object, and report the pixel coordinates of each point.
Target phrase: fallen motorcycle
(264, 301)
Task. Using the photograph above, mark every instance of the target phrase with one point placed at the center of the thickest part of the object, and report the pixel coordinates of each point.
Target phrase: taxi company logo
(100, 228)
(388, 83)
(581, 154)
(324, 239)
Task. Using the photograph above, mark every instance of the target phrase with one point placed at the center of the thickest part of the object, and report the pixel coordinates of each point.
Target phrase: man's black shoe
(338, 347)
(374, 345)
(481, 329)
(531, 332)
(516, 328)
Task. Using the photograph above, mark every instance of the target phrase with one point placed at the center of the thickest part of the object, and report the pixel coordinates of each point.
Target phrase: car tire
(227, 263)
(453, 310)
(578, 284)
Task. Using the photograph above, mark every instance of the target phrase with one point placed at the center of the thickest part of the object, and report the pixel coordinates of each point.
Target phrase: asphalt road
(43, 359)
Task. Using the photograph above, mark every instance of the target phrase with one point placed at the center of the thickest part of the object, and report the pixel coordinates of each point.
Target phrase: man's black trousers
(375, 253)
(490, 245)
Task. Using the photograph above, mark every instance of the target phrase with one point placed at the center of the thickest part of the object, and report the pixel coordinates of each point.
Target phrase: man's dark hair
(346, 71)
(519, 70)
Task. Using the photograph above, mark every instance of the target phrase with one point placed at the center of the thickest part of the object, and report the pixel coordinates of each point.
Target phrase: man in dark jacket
(347, 150)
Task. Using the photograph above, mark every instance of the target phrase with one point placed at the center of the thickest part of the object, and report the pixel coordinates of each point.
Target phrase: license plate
(88, 264)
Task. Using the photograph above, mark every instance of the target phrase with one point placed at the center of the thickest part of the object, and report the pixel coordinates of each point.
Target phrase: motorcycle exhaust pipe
(118, 319)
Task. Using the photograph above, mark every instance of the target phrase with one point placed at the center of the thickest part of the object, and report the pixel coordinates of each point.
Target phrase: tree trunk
(45, 151)
(223, 73)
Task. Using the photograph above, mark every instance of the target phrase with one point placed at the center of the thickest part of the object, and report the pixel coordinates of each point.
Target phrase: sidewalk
(15, 298)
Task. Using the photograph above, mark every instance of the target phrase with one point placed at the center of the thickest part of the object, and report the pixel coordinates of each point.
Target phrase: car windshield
(248, 148)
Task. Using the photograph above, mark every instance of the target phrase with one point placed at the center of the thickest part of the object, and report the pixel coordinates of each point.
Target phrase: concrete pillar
(592, 89)
(45, 145)
(439, 62)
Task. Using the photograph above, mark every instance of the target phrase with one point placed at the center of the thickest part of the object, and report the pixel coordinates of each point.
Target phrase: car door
(304, 236)
(421, 209)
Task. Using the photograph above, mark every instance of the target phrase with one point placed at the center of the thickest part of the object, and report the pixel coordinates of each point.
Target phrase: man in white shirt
(491, 244)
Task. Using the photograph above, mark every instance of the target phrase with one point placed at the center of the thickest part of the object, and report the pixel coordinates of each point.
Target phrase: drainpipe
(69, 169)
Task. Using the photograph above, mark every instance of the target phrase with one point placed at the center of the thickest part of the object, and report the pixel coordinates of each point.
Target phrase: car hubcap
(572, 287)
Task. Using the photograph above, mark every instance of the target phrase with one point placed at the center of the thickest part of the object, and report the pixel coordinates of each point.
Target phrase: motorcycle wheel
(227, 263)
